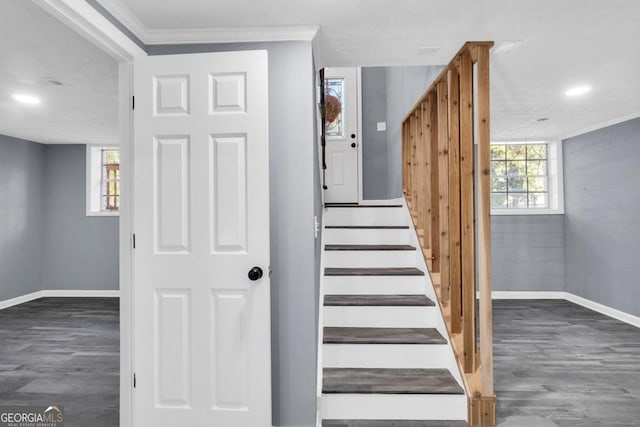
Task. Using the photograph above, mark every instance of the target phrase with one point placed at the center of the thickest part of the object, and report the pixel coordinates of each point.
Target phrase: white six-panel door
(341, 176)
(201, 223)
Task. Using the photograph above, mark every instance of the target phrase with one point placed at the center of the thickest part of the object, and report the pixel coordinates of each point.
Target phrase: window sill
(103, 213)
(498, 212)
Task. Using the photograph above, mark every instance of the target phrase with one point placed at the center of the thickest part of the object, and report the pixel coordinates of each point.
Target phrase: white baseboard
(20, 300)
(72, 293)
(528, 295)
(604, 309)
(592, 305)
(62, 293)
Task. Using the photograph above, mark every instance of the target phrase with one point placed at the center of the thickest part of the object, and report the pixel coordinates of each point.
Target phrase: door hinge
(134, 241)
(133, 102)
(134, 380)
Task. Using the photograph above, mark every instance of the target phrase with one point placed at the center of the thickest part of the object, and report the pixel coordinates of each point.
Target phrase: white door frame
(85, 20)
(360, 135)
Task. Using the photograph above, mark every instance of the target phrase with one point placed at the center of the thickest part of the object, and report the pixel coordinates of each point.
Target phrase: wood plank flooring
(556, 364)
(63, 351)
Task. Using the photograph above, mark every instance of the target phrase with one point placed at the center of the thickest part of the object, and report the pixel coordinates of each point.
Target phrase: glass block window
(110, 181)
(334, 108)
(519, 176)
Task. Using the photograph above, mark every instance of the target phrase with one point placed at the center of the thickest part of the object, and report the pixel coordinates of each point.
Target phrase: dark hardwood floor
(556, 365)
(63, 351)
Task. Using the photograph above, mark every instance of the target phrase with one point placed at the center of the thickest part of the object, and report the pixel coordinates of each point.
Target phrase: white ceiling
(35, 47)
(566, 43)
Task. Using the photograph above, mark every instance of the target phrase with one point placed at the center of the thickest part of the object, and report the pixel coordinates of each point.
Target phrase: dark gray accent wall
(22, 192)
(81, 252)
(405, 85)
(527, 252)
(374, 143)
(602, 215)
(292, 175)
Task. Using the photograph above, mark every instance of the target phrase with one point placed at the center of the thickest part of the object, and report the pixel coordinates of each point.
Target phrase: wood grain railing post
(443, 179)
(484, 221)
(467, 210)
(435, 196)
(454, 200)
(445, 166)
(419, 169)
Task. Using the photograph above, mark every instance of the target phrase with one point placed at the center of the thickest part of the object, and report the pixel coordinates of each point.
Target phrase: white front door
(341, 135)
(201, 222)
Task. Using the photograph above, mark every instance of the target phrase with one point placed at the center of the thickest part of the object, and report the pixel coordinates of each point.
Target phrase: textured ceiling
(565, 43)
(35, 48)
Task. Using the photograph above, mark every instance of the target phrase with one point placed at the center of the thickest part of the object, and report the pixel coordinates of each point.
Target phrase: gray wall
(374, 144)
(405, 85)
(387, 95)
(602, 215)
(81, 252)
(22, 210)
(527, 252)
(46, 240)
(294, 194)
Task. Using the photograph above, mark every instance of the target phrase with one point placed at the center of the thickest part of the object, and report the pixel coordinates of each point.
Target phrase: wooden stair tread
(349, 335)
(373, 271)
(389, 381)
(392, 423)
(330, 247)
(351, 205)
(368, 227)
(378, 300)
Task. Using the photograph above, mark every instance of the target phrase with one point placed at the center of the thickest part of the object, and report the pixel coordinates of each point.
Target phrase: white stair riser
(374, 285)
(366, 216)
(370, 258)
(379, 317)
(367, 236)
(393, 407)
(397, 356)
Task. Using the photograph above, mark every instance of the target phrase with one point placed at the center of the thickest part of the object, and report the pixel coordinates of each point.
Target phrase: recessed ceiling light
(578, 90)
(542, 119)
(26, 99)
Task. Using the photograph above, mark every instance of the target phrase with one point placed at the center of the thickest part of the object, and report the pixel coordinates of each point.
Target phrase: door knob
(255, 273)
(353, 144)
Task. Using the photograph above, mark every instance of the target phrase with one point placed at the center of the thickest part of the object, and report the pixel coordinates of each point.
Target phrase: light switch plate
(381, 126)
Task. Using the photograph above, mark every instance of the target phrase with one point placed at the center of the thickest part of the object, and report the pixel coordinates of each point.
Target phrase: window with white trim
(526, 177)
(103, 180)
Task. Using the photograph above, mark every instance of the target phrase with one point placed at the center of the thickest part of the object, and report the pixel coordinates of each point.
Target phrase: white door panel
(201, 219)
(341, 157)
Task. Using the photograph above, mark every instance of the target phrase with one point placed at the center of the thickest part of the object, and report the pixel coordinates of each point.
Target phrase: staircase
(385, 353)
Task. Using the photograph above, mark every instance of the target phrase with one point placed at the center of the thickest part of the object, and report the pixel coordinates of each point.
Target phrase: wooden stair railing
(445, 158)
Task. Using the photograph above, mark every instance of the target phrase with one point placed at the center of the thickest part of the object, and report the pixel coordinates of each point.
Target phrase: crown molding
(233, 35)
(207, 35)
(602, 125)
(126, 18)
(87, 21)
